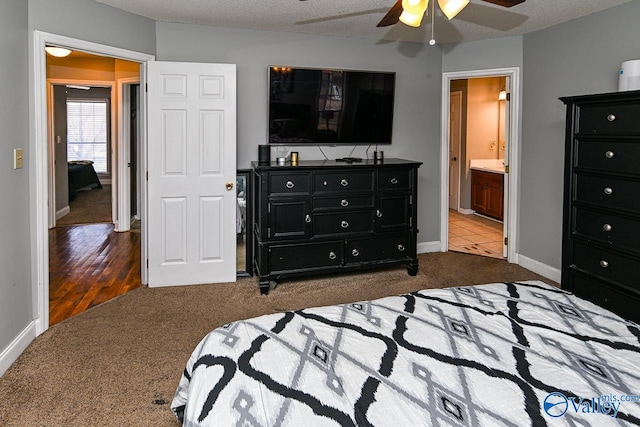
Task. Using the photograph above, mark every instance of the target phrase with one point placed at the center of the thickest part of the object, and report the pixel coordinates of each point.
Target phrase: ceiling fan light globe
(452, 7)
(411, 19)
(415, 7)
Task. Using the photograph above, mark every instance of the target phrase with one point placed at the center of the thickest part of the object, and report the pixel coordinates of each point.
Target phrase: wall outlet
(17, 158)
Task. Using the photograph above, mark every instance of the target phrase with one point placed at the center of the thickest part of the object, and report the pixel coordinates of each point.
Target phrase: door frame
(512, 154)
(123, 155)
(39, 154)
(112, 111)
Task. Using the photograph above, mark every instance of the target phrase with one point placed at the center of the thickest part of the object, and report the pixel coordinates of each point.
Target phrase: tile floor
(475, 235)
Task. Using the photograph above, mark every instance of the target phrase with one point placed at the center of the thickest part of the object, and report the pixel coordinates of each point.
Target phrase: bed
(508, 354)
(81, 174)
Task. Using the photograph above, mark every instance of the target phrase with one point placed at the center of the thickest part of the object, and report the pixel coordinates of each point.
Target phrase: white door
(191, 173)
(455, 126)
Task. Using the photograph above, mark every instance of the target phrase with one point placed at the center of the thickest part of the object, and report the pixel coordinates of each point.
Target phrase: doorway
(465, 226)
(41, 147)
(88, 127)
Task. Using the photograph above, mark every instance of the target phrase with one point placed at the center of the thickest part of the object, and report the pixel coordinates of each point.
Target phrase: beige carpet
(89, 207)
(118, 364)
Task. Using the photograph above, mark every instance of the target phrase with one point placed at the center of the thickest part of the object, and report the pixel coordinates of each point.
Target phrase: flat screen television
(310, 106)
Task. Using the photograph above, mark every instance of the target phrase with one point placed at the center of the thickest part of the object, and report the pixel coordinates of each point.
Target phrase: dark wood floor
(88, 265)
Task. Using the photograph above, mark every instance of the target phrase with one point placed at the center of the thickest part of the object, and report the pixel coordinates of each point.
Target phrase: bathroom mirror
(243, 223)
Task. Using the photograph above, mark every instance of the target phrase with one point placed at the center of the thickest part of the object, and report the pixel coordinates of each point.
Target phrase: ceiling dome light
(59, 52)
(413, 11)
(452, 7)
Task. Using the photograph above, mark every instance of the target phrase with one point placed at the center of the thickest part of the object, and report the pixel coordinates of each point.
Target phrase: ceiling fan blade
(393, 16)
(505, 3)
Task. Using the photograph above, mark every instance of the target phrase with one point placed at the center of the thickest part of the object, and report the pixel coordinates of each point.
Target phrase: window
(87, 132)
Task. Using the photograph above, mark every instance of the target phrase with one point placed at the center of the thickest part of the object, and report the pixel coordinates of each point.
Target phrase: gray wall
(82, 19)
(15, 274)
(417, 105)
(579, 57)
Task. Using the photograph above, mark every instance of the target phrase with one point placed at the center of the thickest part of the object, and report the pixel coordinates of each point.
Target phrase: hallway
(89, 265)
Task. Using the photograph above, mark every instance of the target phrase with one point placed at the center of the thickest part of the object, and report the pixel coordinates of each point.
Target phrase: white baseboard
(426, 247)
(62, 212)
(545, 270)
(466, 211)
(17, 346)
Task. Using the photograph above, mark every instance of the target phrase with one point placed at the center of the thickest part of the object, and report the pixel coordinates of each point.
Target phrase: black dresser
(321, 217)
(601, 237)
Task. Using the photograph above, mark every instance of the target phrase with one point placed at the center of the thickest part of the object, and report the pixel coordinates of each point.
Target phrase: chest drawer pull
(307, 219)
(611, 117)
(344, 182)
(355, 252)
(290, 184)
(604, 264)
(344, 203)
(608, 190)
(401, 248)
(607, 227)
(609, 154)
(394, 181)
(378, 213)
(344, 224)
(332, 255)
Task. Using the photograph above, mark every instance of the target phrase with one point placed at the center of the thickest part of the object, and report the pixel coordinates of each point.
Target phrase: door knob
(229, 185)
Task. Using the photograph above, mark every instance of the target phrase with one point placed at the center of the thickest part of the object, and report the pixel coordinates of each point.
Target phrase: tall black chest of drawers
(601, 237)
(321, 217)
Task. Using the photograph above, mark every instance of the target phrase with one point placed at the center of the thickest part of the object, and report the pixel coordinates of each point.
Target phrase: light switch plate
(17, 158)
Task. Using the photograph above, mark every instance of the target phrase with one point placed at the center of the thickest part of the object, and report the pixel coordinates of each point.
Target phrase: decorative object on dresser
(601, 248)
(327, 217)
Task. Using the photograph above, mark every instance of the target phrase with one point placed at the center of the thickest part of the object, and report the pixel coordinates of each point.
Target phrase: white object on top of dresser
(488, 165)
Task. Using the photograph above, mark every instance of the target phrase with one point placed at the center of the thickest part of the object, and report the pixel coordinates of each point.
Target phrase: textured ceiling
(358, 18)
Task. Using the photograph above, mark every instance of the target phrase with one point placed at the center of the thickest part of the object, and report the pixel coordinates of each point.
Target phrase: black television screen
(329, 107)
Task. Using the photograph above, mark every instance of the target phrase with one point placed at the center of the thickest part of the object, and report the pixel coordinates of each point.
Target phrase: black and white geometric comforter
(507, 354)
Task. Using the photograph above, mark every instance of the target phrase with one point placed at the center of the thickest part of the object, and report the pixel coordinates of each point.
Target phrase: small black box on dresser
(601, 215)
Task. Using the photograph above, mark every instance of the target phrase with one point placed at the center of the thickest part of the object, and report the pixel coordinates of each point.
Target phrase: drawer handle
(378, 213)
(604, 264)
(394, 181)
(290, 184)
(344, 202)
(607, 227)
(344, 182)
(608, 190)
(344, 224)
(401, 248)
(332, 255)
(609, 154)
(611, 117)
(355, 252)
(307, 219)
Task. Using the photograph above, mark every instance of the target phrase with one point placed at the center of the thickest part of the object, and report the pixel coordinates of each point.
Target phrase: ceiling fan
(410, 12)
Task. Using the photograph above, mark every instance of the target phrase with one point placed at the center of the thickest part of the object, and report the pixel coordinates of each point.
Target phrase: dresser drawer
(307, 255)
(619, 301)
(615, 119)
(607, 228)
(606, 264)
(289, 183)
(343, 181)
(609, 192)
(343, 222)
(609, 156)
(342, 202)
(391, 179)
(377, 249)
